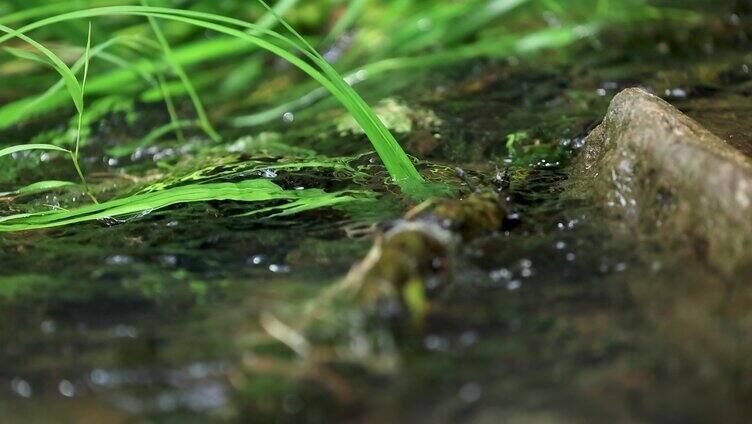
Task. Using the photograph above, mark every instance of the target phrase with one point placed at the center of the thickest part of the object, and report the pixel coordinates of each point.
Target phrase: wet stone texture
(669, 179)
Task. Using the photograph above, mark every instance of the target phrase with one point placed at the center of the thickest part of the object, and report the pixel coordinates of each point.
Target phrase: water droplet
(279, 268)
(514, 285)
(571, 257)
(119, 260)
(21, 387)
(268, 173)
(501, 274)
(434, 342)
(677, 93)
(256, 260)
(560, 245)
(288, 117)
(66, 388)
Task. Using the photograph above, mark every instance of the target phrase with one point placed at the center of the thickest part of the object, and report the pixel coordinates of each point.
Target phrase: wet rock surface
(668, 179)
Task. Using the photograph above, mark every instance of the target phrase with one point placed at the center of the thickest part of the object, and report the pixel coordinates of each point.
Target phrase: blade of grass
(27, 55)
(54, 8)
(27, 147)
(312, 199)
(38, 187)
(257, 190)
(174, 119)
(75, 154)
(74, 88)
(24, 107)
(184, 79)
(396, 161)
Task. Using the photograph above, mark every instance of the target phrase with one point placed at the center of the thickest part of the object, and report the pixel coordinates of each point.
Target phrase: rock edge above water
(668, 179)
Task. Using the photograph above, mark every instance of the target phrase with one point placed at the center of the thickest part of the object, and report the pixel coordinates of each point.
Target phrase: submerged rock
(415, 256)
(669, 179)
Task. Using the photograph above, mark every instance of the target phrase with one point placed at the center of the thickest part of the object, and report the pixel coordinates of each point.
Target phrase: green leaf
(184, 79)
(38, 187)
(27, 55)
(24, 147)
(256, 190)
(74, 88)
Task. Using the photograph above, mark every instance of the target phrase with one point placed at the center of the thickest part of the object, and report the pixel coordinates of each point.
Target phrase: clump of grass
(411, 44)
(398, 164)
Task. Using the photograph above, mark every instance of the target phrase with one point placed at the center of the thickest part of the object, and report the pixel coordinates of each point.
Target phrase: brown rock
(670, 180)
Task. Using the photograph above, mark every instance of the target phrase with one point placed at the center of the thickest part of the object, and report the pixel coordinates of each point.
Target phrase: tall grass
(398, 164)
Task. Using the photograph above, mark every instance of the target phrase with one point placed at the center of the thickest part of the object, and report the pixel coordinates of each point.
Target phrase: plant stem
(170, 107)
(74, 158)
(75, 155)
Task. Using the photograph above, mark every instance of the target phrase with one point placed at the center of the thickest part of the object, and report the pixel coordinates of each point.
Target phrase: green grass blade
(180, 72)
(26, 147)
(87, 58)
(312, 199)
(27, 55)
(54, 8)
(74, 155)
(174, 119)
(396, 161)
(257, 190)
(74, 88)
(26, 106)
(39, 187)
(269, 20)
